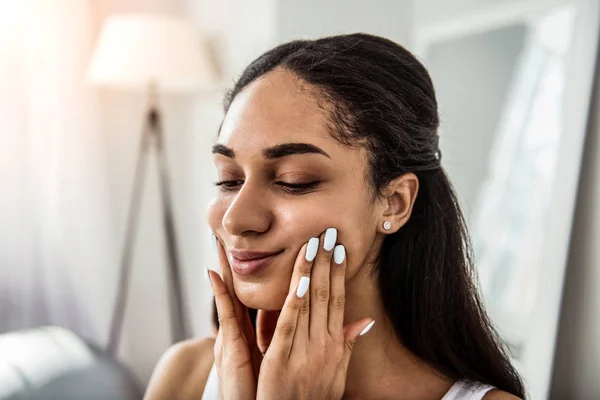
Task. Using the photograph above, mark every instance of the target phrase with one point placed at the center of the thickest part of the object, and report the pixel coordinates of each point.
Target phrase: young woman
(334, 218)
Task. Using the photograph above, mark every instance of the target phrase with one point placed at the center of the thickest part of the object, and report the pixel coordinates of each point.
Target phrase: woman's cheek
(358, 240)
(214, 213)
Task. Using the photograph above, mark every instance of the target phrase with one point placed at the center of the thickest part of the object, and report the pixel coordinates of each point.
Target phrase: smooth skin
(258, 208)
(310, 331)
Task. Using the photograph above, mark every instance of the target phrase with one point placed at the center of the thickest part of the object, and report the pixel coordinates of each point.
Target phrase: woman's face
(275, 197)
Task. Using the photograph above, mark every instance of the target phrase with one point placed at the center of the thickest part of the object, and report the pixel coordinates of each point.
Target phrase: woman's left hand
(310, 350)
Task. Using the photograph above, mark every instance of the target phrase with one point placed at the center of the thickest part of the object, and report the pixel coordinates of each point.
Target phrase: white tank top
(211, 389)
(461, 390)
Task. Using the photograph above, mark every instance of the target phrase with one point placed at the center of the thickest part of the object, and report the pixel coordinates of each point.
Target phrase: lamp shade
(139, 50)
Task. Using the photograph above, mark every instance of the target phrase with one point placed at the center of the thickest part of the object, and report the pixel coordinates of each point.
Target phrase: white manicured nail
(213, 239)
(339, 254)
(367, 328)
(330, 238)
(206, 275)
(302, 286)
(311, 249)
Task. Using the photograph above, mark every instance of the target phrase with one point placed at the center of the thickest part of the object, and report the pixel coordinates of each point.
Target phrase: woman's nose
(247, 213)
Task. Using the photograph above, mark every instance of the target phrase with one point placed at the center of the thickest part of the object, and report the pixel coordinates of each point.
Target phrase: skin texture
(272, 111)
(182, 371)
(307, 353)
(256, 213)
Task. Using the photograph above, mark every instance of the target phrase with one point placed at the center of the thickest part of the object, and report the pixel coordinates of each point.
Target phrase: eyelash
(301, 188)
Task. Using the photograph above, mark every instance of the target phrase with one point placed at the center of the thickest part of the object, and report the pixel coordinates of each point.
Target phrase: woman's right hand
(237, 354)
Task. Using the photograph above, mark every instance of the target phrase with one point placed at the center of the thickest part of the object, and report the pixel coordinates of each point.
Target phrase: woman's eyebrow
(223, 150)
(288, 149)
(278, 151)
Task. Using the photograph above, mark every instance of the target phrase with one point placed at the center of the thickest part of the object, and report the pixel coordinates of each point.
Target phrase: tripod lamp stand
(154, 54)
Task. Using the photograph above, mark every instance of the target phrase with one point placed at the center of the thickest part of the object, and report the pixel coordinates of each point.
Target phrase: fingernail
(330, 238)
(367, 328)
(207, 276)
(339, 254)
(213, 238)
(311, 249)
(302, 286)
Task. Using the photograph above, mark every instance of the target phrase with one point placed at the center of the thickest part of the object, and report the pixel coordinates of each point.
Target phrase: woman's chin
(262, 298)
(263, 306)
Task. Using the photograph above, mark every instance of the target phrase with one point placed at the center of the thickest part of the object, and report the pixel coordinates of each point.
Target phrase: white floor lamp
(155, 54)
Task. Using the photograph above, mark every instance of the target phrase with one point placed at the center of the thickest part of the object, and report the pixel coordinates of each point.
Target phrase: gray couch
(53, 363)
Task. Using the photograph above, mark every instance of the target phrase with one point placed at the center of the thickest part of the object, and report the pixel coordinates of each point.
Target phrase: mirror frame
(536, 363)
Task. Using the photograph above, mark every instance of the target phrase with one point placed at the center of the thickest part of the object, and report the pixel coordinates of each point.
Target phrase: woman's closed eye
(288, 187)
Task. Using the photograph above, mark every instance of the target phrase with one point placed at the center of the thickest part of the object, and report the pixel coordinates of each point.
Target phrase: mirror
(513, 82)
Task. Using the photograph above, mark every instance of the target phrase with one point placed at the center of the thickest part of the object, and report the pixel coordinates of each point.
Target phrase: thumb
(351, 333)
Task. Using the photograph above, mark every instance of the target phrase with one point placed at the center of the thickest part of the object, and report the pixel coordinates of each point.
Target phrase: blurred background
(85, 265)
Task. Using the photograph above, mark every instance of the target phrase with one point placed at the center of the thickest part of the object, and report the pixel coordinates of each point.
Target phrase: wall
(313, 18)
(433, 11)
(577, 359)
(470, 113)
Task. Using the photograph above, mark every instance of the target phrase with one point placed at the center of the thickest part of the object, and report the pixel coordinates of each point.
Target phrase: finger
(303, 267)
(337, 298)
(228, 280)
(283, 339)
(218, 348)
(351, 333)
(256, 358)
(228, 322)
(241, 311)
(320, 285)
(266, 322)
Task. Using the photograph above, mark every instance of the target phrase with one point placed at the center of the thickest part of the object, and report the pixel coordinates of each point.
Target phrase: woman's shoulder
(182, 371)
(499, 395)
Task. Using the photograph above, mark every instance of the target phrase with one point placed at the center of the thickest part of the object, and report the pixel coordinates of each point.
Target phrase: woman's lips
(251, 262)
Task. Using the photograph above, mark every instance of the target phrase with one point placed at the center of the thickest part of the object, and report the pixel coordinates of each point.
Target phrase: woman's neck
(380, 366)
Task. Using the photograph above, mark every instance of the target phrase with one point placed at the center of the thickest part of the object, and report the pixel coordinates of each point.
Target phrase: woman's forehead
(274, 109)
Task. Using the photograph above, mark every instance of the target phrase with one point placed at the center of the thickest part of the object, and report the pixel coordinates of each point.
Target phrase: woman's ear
(399, 198)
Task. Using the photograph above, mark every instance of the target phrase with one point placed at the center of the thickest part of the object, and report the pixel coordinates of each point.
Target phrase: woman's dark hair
(380, 96)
